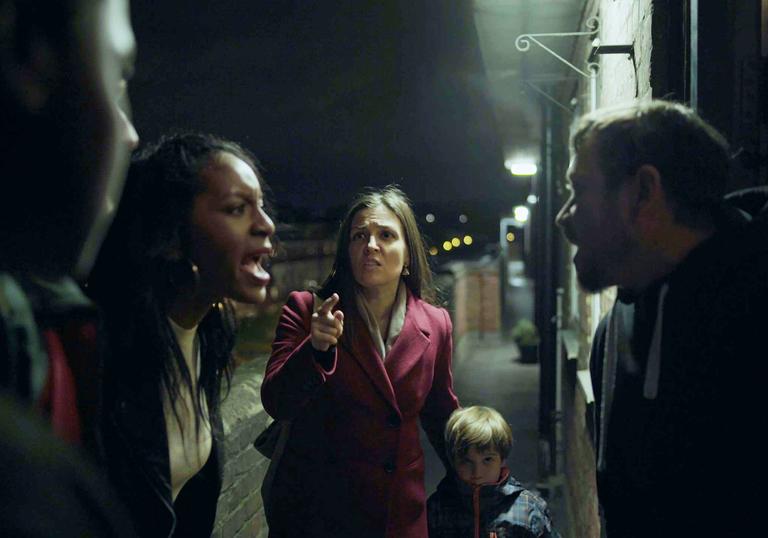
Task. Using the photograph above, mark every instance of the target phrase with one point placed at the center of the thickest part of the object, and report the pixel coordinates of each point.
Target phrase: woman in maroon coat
(355, 367)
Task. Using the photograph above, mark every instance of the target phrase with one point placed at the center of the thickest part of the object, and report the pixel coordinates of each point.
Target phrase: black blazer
(136, 450)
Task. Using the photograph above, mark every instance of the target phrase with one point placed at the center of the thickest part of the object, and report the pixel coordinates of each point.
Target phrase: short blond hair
(479, 427)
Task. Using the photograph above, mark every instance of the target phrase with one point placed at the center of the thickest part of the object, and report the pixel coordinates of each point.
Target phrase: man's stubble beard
(603, 272)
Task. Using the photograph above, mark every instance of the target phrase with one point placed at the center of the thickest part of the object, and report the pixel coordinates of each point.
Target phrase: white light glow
(521, 168)
(532, 199)
(521, 214)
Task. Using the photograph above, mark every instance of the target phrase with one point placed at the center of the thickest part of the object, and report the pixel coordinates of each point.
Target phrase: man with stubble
(677, 362)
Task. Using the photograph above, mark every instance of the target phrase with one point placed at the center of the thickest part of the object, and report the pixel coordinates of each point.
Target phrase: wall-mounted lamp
(521, 168)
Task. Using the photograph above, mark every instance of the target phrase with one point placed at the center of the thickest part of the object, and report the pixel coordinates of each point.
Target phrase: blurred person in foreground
(65, 139)
(677, 362)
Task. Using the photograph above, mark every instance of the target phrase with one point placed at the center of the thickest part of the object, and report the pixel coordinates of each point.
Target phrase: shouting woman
(191, 234)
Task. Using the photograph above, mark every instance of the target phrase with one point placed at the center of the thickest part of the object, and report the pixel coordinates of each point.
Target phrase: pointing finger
(328, 304)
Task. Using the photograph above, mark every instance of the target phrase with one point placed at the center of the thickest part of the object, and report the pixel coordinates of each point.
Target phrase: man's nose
(130, 135)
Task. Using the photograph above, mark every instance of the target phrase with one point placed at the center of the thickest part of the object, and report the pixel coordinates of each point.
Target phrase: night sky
(331, 95)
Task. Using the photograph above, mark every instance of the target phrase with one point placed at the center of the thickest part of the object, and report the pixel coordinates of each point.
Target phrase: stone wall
(240, 512)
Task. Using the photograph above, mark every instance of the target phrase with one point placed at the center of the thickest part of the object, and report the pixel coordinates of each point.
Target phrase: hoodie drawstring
(614, 340)
(608, 382)
(653, 367)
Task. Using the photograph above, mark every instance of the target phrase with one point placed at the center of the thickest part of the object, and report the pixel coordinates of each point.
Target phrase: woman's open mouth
(253, 268)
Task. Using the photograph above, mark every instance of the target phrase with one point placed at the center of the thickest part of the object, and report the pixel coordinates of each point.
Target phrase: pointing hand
(327, 326)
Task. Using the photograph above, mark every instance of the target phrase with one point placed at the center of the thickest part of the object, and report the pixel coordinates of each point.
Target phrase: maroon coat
(354, 464)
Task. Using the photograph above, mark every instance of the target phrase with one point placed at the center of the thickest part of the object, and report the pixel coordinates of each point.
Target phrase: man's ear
(29, 68)
(648, 203)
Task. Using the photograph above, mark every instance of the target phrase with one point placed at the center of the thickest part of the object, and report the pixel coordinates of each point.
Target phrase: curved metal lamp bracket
(523, 44)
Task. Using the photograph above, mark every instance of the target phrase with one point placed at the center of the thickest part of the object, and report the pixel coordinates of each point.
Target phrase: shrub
(525, 333)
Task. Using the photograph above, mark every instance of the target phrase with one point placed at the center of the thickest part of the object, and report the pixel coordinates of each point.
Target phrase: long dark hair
(341, 279)
(135, 280)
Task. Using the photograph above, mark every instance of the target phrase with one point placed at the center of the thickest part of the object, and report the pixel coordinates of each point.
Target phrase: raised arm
(296, 369)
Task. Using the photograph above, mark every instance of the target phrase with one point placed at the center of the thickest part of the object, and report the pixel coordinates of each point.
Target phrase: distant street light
(521, 214)
(463, 218)
(430, 218)
(467, 240)
(447, 246)
(456, 242)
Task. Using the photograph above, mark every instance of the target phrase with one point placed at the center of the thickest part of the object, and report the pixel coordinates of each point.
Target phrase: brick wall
(581, 492)
(474, 302)
(625, 22)
(619, 81)
(240, 513)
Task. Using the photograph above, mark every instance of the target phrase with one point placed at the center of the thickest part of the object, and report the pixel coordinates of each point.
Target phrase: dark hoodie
(502, 510)
(678, 399)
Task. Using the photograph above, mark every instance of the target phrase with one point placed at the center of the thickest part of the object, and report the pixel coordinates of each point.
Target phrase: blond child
(480, 498)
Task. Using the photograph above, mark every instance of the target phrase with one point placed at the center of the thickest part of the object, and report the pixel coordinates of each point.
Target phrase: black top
(667, 458)
(136, 448)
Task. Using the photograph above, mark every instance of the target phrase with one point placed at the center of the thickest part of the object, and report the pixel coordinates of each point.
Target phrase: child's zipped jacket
(502, 510)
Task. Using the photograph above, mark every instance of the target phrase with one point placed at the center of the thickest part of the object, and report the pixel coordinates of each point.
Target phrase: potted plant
(526, 336)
